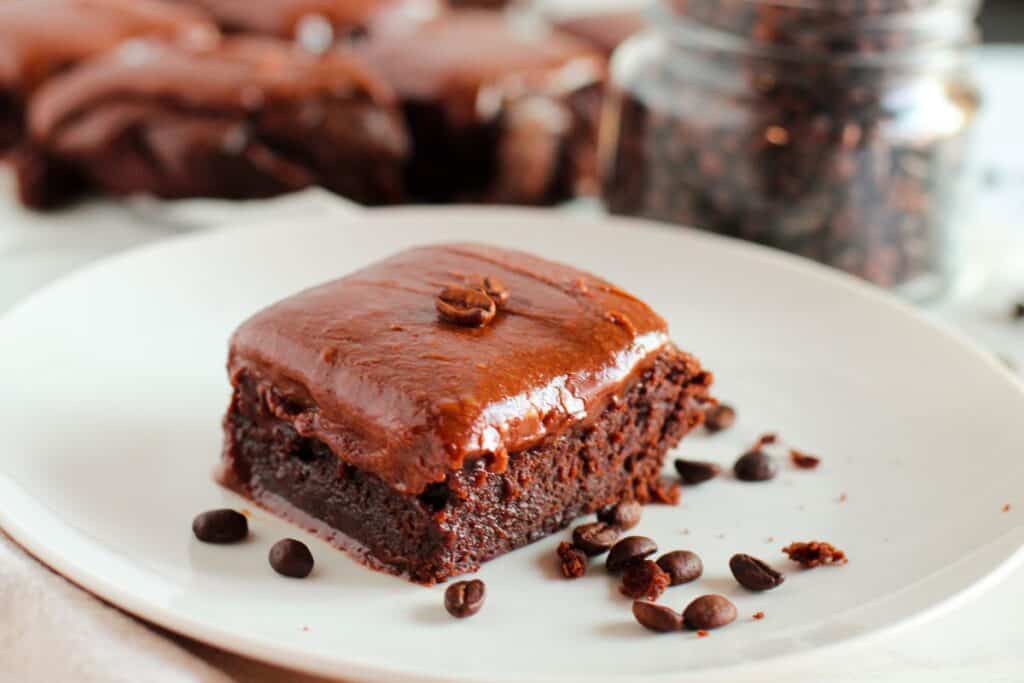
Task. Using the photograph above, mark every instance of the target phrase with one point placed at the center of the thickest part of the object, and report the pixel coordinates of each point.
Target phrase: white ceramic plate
(113, 388)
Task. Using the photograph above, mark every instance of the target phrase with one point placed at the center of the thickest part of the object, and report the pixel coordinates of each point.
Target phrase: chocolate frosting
(283, 18)
(39, 37)
(366, 365)
(460, 55)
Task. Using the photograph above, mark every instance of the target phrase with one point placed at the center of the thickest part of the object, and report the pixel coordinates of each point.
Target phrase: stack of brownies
(380, 101)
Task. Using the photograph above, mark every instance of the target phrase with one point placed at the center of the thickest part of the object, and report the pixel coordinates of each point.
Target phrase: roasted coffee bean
(657, 617)
(682, 566)
(495, 289)
(719, 417)
(1017, 312)
(630, 549)
(694, 472)
(754, 574)
(708, 612)
(804, 461)
(465, 306)
(755, 466)
(644, 579)
(595, 538)
(220, 526)
(465, 598)
(572, 561)
(291, 558)
(623, 515)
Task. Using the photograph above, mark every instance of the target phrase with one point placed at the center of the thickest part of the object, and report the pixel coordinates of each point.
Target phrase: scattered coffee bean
(754, 574)
(495, 289)
(644, 579)
(623, 515)
(708, 612)
(719, 417)
(1017, 312)
(657, 617)
(630, 549)
(804, 461)
(811, 554)
(465, 598)
(220, 526)
(682, 566)
(291, 558)
(573, 560)
(595, 538)
(755, 466)
(696, 471)
(465, 306)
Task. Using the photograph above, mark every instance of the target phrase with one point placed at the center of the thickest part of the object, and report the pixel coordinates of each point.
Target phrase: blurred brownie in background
(39, 38)
(496, 113)
(318, 24)
(240, 118)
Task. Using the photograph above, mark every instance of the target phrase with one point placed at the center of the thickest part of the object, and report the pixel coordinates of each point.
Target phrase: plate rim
(358, 669)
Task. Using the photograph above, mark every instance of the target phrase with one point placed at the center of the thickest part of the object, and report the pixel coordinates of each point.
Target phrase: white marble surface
(980, 642)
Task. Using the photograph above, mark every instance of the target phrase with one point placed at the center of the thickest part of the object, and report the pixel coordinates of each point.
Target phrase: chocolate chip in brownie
(658, 618)
(644, 579)
(465, 598)
(573, 561)
(708, 612)
(628, 550)
(754, 574)
(694, 472)
(682, 566)
(719, 417)
(220, 526)
(622, 515)
(291, 558)
(755, 466)
(595, 538)
(465, 306)
(811, 554)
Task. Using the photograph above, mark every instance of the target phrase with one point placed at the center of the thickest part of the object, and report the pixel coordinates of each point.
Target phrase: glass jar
(834, 129)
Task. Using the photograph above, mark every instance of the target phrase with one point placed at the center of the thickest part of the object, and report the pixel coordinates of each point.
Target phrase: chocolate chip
(708, 612)
(623, 515)
(719, 417)
(573, 561)
(465, 598)
(465, 306)
(291, 558)
(629, 549)
(804, 461)
(644, 579)
(696, 471)
(220, 526)
(595, 538)
(755, 466)
(754, 574)
(682, 566)
(657, 617)
(495, 289)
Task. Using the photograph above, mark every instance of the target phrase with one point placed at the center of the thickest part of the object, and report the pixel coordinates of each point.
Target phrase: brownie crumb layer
(475, 514)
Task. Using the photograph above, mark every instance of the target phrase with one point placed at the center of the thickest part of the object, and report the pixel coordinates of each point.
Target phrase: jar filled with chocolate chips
(833, 129)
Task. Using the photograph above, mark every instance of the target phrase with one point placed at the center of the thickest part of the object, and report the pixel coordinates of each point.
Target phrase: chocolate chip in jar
(465, 598)
(628, 550)
(220, 526)
(465, 306)
(291, 558)
(754, 574)
(709, 612)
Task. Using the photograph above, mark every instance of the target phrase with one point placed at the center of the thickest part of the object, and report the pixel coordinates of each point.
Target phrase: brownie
(497, 112)
(426, 447)
(39, 38)
(318, 22)
(237, 118)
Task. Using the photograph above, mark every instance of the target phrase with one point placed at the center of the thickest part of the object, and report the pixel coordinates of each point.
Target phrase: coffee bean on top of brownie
(263, 120)
(497, 112)
(39, 38)
(318, 24)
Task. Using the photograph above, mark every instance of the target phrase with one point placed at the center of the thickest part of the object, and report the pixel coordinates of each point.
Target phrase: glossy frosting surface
(365, 364)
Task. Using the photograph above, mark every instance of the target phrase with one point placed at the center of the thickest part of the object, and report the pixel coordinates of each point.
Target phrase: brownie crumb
(573, 560)
(644, 580)
(811, 554)
(759, 615)
(1006, 508)
(702, 633)
(841, 498)
(666, 492)
(766, 439)
(804, 461)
